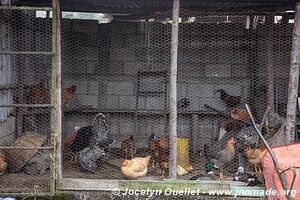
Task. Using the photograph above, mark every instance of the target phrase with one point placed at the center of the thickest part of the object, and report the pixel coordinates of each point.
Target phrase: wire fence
(25, 60)
(115, 80)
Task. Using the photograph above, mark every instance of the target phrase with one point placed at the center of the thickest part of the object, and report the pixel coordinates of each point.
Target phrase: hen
(3, 164)
(153, 149)
(228, 99)
(128, 147)
(69, 94)
(240, 114)
(223, 156)
(254, 157)
(135, 168)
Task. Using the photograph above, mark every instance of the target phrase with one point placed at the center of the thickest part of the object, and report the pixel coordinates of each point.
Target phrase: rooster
(128, 147)
(69, 94)
(223, 156)
(229, 100)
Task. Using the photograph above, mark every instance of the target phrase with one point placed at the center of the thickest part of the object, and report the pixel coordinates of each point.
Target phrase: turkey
(98, 149)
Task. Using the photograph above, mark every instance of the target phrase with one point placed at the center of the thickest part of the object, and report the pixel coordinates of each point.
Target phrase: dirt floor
(23, 183)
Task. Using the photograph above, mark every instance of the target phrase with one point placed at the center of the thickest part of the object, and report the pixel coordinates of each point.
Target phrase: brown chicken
(228, 99)
(135, 168)
(128, 148)
(163, 148)
(254, 157)
(69, 94)
(240, 114)
(3, 164)
(39, 93)
(153, 149)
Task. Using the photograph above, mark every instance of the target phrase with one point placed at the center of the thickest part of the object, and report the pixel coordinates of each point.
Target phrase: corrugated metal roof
(148, 6)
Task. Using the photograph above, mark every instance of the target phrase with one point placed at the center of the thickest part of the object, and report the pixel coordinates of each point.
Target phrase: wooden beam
(56, 118)
(173, 91)
(116, 187)
(294, 79)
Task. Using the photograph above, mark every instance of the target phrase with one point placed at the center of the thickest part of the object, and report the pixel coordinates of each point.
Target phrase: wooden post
(56, 116)
(294, 79)
(173, 91)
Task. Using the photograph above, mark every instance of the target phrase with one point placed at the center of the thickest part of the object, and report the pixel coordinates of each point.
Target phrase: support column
(173, 91)
(56, 113)
(294, 79)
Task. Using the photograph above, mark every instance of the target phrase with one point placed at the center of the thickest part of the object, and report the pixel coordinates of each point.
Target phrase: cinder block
(93, 87)
(123, 54)
(120, 88)
(112, 102)
(126, 126)
(116, 67)
(127, 102)
(131, 67)
(157, 103)
(239, 70)
(142, 103)
(90, 53)
(91, 67)
(89, 100)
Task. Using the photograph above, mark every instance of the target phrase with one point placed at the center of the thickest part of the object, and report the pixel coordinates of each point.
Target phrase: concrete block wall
(210, 58)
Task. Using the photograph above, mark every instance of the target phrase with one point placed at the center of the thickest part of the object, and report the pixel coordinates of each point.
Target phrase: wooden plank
(17, 158)
(27, 105)
(26, 53)
(294, 80)
(56, 114)
(173, 91)
(25, 8)
(202, 186)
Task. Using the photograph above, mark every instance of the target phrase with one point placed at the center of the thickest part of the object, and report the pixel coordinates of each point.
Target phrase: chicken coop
(152, 94)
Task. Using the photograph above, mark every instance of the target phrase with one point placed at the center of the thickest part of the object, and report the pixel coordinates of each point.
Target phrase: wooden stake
(173, 91)
(294, 79)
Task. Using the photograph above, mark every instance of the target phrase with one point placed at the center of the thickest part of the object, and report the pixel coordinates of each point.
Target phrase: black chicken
(183, 103)
(230, 101)
(247, 177)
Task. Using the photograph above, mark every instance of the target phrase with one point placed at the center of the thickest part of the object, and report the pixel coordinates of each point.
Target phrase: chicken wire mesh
(25, 68)
(121, 69)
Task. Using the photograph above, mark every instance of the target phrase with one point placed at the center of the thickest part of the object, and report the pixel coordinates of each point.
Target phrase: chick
(135, 168)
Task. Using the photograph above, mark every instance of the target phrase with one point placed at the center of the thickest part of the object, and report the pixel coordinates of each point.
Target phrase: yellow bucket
(183, 157)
